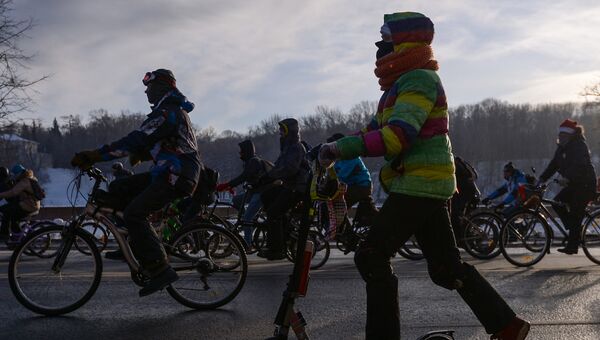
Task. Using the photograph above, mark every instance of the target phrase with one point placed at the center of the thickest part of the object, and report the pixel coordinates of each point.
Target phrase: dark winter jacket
(166, 137)
(572, 161)
(291, 166)
(122, 173)
(254, 166)
(465, 178)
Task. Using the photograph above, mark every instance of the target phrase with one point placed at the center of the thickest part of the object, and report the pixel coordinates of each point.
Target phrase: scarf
(392, 66)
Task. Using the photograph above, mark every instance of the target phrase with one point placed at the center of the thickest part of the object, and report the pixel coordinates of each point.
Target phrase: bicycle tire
(99, 233)
(192, 243)
(41, 247)
(590, 237)
(408, 253)
(321, 248)
(523, 231)
(17, 279)
(477, 239)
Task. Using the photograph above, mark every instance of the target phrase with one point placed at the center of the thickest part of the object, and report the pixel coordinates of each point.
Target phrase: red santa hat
(568, 126)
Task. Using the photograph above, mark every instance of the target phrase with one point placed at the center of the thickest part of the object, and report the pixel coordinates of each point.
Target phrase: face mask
(384, 48)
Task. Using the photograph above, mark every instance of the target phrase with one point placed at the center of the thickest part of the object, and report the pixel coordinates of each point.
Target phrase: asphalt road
(560, 296)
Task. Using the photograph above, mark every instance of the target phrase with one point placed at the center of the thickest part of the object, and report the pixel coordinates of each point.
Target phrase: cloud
(242, 61)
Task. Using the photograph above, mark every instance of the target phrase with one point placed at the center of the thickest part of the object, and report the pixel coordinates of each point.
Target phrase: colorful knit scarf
(392, 66)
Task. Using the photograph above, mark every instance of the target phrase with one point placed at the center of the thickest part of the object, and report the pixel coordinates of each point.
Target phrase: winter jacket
(511, 186)
(410, 128)
(23, 190)
(291, 166)
(572, 161)
(254, 166)
(353, 172)
(166, 137)
(122, 173)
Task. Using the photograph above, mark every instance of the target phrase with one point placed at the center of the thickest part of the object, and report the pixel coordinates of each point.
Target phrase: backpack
(38, 192)
(466, 175)
(207, 184)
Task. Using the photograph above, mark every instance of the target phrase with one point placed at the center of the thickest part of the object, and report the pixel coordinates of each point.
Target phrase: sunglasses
(148, 77)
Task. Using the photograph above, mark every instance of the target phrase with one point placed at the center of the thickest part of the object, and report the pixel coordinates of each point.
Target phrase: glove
(85, 159)
(328, 154)
(136, 158)
(224, 187)
(485, 201)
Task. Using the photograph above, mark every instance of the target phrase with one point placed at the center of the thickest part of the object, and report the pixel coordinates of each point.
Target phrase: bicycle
(67, 280)
(527, 235)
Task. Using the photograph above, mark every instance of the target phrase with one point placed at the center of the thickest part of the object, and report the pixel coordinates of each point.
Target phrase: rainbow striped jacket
(410, 130)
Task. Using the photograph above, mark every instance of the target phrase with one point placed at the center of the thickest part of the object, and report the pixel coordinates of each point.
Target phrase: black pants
(577, 198)
(458, 205)
(400, 217)
(277, 201)
(148, 196)
(366, 209)
(12, 213)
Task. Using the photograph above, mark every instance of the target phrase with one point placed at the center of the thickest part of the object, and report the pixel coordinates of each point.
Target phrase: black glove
(85, 159)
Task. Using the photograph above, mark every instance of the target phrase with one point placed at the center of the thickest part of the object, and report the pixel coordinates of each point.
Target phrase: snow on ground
(57, 184)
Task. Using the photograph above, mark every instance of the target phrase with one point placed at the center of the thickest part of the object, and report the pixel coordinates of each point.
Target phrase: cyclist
(572, 161)
(357, 178)
(119, 171)
(167, 138)
(410, 130)
(513, 177)
(293, 169)
(254, 168)
(24, 202)
(5, 184)
(466, 193)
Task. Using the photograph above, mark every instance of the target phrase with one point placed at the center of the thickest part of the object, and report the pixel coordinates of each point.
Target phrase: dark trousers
(277, 201)
(366, 209)
(12, 213)
(458, 205)
(576, 199)
(146, 196)
(401, 217)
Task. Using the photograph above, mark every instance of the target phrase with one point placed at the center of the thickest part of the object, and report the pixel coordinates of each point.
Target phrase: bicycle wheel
(411, 250)
(525, 239)
(481, 236)
(99, 234)
(41, 247)
(590, 238)
(322, 249)
(58, 284)
(259, 237)
(206, 281)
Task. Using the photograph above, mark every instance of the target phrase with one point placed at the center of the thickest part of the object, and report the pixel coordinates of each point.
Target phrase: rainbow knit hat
(409, 28)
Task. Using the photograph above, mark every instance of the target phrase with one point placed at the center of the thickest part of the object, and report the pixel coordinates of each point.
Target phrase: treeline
(488, 132)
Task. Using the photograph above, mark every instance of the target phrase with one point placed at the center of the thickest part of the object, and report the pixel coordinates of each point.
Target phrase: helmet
(117, 166)
(4, 172)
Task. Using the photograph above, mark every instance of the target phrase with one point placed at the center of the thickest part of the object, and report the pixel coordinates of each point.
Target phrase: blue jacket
(165, 137)
(511, 187)
(353, 172)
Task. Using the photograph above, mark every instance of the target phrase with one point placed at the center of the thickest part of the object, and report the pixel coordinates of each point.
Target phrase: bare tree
(14, 87)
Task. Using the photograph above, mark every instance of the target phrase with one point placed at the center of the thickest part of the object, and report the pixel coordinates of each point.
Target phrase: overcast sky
(242, 61)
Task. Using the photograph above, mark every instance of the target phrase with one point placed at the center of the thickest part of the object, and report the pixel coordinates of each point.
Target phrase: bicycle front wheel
(525, 239)
(58, 284)
(590, 238)
(211, 263)
(411, 250)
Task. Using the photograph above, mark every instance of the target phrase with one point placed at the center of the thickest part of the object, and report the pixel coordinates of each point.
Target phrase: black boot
(160, 281)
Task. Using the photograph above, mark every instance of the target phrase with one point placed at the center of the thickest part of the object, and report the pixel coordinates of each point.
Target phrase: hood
(291, 130)
(177, 98)
(247, 150)
(409, 29)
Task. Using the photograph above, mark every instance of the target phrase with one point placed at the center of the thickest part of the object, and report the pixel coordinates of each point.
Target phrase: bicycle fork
(68, 239)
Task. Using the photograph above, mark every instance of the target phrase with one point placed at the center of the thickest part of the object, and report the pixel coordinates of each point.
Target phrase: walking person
(410, 130)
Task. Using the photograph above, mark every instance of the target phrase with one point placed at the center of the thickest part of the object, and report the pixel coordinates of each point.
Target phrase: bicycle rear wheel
(99, 233)
(525, 239)
(411, 250)
(321, 252)
(481, 238)
(590, 238)
(58, 284)
(211, 263)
